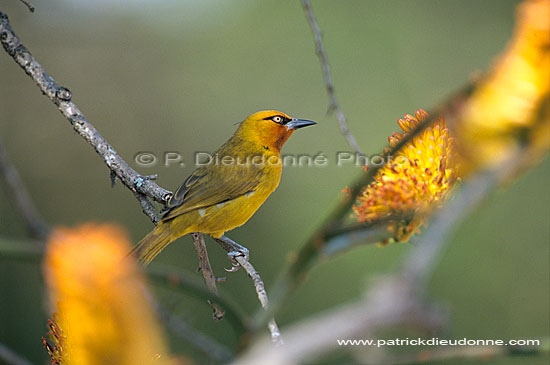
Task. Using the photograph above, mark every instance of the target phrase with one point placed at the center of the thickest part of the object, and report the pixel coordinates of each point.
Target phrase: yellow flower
(509, 110)
(103, 315)
(413, 181)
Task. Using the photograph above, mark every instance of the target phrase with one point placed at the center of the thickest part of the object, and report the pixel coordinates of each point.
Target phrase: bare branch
(11, 358)
(243, 261)
(262, 296)
(35, 224)
(334, 106)
(28, 5)
(142, 187)
(207, 273)
(204, 262)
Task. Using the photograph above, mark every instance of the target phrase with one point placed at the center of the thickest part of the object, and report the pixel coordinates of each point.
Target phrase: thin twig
(142, 186)
(28, 5)
(35, 224)
(207, 273)
(334, 106)
(262, 296)
(244, 262)
(12, 358)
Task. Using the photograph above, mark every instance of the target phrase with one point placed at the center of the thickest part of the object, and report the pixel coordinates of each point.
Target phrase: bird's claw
(235, 266)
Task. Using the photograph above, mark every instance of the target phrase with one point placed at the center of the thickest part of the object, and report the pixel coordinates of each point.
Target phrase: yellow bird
(224, 194)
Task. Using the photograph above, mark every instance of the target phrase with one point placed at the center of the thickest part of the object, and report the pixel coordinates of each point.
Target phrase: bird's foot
(232, 255)
(234, 264)
(234, 251)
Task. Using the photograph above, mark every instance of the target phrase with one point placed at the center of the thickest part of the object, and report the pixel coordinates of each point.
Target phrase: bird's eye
(277, 119)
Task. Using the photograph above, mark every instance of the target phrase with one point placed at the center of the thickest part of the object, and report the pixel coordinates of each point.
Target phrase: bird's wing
(210, 185)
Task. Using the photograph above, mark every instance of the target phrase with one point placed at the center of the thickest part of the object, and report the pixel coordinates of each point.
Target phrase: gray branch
(262, 296)
(242, 260)
(334, 106)
(207, 273)
(28, 5)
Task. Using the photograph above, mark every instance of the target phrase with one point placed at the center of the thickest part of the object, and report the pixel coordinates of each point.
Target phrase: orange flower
(413, 181)
(103, 315)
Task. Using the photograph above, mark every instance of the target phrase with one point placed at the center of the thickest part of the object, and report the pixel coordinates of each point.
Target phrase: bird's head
(270, 128)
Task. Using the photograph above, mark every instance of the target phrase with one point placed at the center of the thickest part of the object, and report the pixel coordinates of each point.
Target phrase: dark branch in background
(334, 106)
(207, 273)
(28, 5)
(21, 250)
(11, 358)
(35, 224)
(141, 186)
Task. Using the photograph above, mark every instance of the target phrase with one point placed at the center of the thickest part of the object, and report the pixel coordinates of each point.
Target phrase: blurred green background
(176, 75)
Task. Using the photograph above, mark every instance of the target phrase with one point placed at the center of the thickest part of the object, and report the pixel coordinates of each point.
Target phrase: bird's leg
(233, 250)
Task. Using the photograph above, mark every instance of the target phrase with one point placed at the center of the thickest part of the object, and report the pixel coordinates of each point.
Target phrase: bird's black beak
(298, 123)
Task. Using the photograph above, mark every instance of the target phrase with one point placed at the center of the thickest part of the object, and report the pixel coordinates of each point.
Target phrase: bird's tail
(152, 244)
